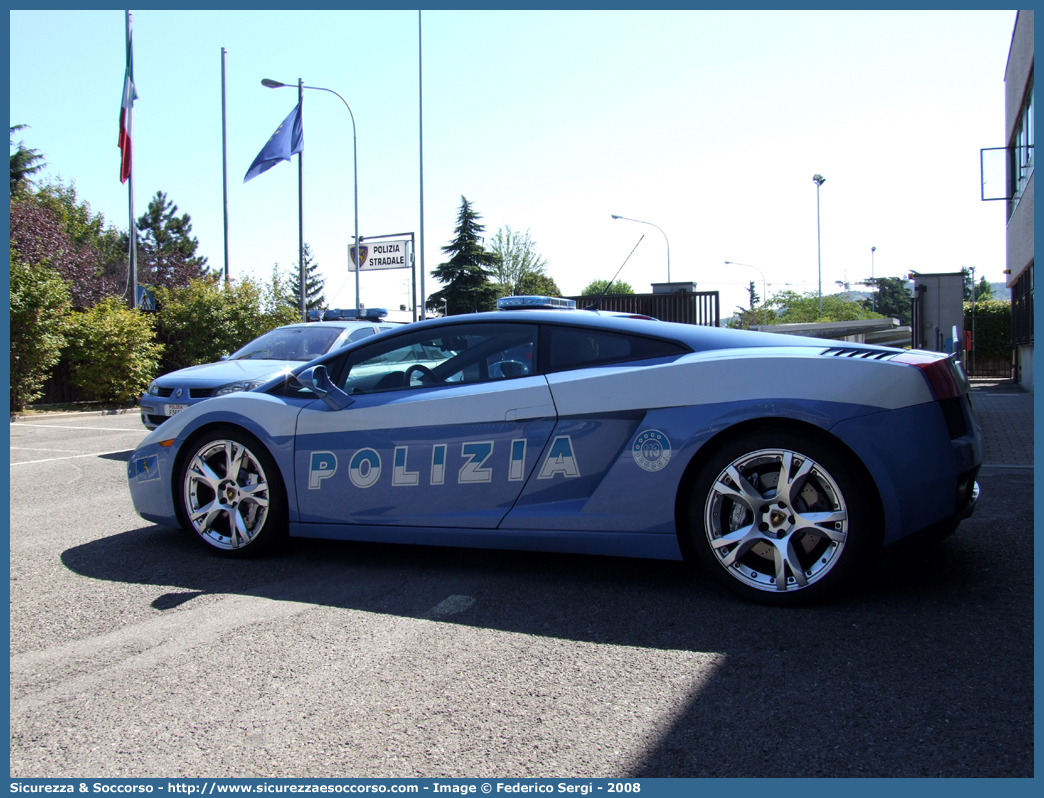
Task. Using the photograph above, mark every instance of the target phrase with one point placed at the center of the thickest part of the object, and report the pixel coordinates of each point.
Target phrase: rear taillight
(940, 371)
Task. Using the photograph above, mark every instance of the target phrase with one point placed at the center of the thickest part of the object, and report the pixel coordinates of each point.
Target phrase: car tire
(230, 494)
(781, 544)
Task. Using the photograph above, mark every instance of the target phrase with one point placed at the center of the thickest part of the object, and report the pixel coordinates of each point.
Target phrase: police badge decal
(651, 450)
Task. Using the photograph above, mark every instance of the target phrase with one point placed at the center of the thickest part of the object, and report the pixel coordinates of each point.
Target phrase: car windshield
(290, 343)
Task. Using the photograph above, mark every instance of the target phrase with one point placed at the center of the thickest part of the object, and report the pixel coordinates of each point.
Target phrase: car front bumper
(157, 409)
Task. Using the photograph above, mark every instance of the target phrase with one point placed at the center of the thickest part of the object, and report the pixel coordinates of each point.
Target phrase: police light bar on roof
(347, 314)
(535, 303)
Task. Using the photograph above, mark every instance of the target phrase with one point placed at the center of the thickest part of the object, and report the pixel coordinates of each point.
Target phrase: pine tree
(315, 297)
(466, 275)
(24, 163)
(754, 298)
(166, 247)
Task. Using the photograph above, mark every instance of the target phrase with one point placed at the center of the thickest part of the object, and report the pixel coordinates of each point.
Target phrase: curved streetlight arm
(764, 284)
(355, 164)
(639, 221)
(275, 84)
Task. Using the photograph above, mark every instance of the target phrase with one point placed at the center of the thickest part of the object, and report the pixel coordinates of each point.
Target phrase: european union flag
(285, 142)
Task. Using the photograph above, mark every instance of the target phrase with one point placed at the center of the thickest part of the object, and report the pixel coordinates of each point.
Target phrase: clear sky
(708, 125)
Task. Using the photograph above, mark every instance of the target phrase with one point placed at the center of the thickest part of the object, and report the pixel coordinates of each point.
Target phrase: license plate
(173, 410)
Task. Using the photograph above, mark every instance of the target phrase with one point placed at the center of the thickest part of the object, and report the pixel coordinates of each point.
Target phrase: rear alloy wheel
(779, 518)
(232, 495)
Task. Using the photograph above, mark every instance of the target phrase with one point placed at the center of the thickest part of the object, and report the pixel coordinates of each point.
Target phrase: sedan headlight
(153, 389)
(236, 387)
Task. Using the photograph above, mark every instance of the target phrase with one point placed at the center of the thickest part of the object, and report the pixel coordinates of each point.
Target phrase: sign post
(393, 251)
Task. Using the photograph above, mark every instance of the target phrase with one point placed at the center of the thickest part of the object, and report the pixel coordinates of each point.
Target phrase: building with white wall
(1018, 127)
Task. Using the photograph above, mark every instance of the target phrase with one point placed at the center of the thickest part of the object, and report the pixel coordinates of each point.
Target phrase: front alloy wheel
(232, 495)
(781, 519)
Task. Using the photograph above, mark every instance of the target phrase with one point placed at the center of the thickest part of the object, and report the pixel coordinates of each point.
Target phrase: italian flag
(129, 96)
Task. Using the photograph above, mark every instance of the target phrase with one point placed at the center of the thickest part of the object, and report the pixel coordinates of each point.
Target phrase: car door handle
(537, 411)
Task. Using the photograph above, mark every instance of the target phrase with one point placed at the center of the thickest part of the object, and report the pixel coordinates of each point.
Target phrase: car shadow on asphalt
(118, 456)
(923, 669)
(518, 591)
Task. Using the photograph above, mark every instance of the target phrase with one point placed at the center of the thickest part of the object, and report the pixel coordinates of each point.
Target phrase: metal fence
(988, 366)
(997, 359)
(697, 307)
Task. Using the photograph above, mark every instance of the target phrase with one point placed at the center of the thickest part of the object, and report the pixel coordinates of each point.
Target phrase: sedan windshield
(290, 343)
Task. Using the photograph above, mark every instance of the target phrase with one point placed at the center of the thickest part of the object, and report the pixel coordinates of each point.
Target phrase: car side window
(454, 355)
(579, 347)
(358, 335)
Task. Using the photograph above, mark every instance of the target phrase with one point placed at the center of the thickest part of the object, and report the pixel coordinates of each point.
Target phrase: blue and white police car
(276, 352)
(781, 463)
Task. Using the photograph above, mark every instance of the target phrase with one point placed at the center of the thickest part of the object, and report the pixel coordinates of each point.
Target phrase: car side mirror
(318, 381)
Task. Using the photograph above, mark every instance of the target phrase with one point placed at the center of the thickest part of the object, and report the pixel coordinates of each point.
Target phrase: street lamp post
(819, 180)
(873, 285)
(664, 238)
(764, 285)
(275, 84)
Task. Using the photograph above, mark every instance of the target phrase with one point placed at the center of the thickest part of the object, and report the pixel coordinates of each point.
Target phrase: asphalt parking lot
(136, 653)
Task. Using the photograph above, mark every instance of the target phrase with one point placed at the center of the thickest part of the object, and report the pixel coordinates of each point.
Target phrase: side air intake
(862, 354)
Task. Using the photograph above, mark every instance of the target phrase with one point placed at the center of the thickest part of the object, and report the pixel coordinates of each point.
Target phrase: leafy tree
(794, 308)
(39, 309)
(166, 247)
(40, 234)
(315, 298)
(517, 261)
(82, 225)
(88, 229)
(466, 275)
(24, 163)
(596, 287)
(892, 300)
(755, 316)
(112, 351)
(537, 285)
(280, 298)
(199, 322)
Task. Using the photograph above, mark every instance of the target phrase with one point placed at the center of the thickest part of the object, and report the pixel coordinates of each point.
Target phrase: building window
(1021, 149)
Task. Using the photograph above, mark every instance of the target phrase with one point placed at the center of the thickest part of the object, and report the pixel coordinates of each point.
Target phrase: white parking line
(97, 429)
(72, 457)
(39, 449)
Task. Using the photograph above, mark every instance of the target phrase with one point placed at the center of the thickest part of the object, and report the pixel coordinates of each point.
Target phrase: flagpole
(420, 95)
(132, 236)
(275, 84)
(358, 243)
(300, 204)
(224, 156)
